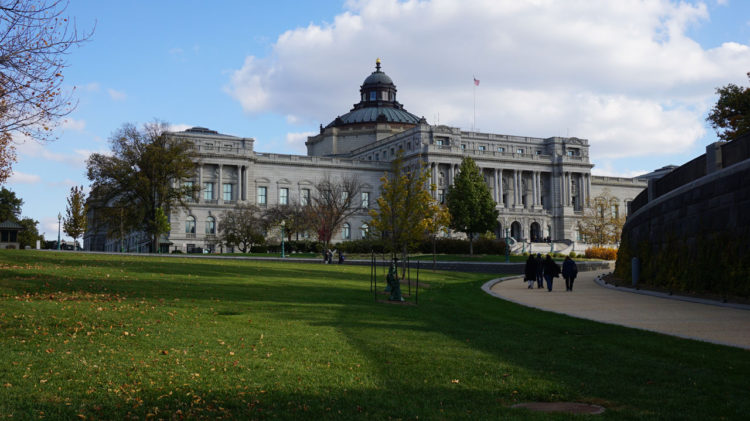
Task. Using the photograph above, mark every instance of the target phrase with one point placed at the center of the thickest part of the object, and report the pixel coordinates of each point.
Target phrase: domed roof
(378, 77)
(376, 114)
(378, 103)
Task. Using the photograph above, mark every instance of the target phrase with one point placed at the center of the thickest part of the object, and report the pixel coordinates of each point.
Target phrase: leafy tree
(470, 203)
(332, 204)
(142, 177)
(30, 234)
(243, 227)
(730, 117)
(74, 223)
(439, 218)
(36, 37)
(602, 223)
(10, 206)
(404, 206)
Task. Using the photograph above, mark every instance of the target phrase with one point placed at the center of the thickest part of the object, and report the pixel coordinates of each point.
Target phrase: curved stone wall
(695, 237)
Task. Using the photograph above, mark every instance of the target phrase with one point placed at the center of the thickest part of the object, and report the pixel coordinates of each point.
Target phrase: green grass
(116, 337)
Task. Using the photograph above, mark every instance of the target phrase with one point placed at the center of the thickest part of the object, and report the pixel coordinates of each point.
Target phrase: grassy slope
(119, 336)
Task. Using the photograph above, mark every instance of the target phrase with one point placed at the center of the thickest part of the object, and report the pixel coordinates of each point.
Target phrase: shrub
(573, 255)
(603, 253)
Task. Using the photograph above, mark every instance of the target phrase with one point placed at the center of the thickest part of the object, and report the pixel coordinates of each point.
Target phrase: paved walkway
(719, 324)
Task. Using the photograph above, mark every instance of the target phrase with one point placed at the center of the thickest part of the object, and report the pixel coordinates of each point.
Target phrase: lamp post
(283, 223)
(59, 220)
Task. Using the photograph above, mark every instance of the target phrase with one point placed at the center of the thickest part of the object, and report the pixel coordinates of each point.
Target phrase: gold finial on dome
(377, 64)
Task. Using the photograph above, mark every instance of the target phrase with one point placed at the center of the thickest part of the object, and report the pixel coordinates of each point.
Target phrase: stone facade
(540, 185)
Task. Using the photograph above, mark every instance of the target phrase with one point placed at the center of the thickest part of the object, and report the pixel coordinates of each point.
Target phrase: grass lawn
(117, 337)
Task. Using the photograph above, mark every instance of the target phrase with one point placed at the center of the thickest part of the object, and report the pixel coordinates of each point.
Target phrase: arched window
(346, 232)
(210, 225)
(190, 225)
(364, 231)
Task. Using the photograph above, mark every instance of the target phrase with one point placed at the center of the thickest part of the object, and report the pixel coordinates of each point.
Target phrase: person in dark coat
(530, 271)
(551, 271)
(539, 271)
(569, 272)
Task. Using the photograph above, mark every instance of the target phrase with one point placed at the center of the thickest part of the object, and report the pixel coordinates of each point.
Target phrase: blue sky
(635, 78)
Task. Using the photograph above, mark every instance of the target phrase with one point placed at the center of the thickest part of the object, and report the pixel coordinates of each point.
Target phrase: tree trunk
(434, 260)
(471, 244)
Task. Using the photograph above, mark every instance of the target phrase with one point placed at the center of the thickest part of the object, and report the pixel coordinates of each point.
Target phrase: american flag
(476, 82)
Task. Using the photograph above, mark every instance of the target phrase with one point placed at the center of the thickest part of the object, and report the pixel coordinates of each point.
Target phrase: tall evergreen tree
(470, 203)
(75, 214)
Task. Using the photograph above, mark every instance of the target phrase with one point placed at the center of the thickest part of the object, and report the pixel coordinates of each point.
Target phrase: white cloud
(624, 74)
(22, 178)
(178, 127)
(90, 87)
(73, 124)
(117, 95)
(295, 142)
(27, 148)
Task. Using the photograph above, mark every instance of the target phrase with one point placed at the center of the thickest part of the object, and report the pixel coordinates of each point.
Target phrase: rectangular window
(572, 152)
(283, 196)
(439, 142)
(344, 196)
(500, 149)
(365, 200)
(208, 146)
(262, 194)
(227, 192)
(372, 95)
(519, 151)
(482, 147)
(304, 197)
(188, 185)
(208, 191)
(538, 152)
(463, 146)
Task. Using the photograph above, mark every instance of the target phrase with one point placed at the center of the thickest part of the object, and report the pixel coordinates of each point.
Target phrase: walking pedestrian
(551, 271)
(530, 271)
(539, 271)
(569, 272)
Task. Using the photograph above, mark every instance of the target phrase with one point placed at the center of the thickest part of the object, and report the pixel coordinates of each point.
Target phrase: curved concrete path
(721, 324)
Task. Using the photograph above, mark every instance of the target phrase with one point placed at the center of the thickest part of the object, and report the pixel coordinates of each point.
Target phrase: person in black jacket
(551, 270)
(530, 271)
(569, 272)
(539, 271)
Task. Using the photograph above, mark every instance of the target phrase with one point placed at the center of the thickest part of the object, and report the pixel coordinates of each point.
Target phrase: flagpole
(474, 122)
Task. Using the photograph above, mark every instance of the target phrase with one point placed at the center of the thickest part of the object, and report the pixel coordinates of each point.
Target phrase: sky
(634, 77)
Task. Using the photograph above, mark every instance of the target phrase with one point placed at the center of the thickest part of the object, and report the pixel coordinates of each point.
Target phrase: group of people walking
(538, 270)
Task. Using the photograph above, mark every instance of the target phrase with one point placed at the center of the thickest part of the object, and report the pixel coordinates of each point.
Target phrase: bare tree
(334, 202)
(35, 37)
(294, 216)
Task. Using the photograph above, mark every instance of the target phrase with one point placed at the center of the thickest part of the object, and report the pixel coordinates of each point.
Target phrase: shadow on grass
(507, 353)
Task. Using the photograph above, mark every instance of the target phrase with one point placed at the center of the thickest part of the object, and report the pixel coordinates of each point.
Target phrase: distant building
(540, 185)
(9, 234)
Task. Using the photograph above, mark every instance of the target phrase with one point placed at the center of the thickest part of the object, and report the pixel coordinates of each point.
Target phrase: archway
(535, 232)
(516, 231)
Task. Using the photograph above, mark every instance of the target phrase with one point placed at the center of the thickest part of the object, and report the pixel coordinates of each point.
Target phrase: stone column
(239, 182)
(219, 196)
(451, 174)
(434, 179)
(533, 188)
(588, 189)
(200, 183)
(500, 200)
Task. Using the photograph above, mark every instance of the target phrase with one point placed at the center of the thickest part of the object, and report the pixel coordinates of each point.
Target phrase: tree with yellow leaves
(405, 206)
